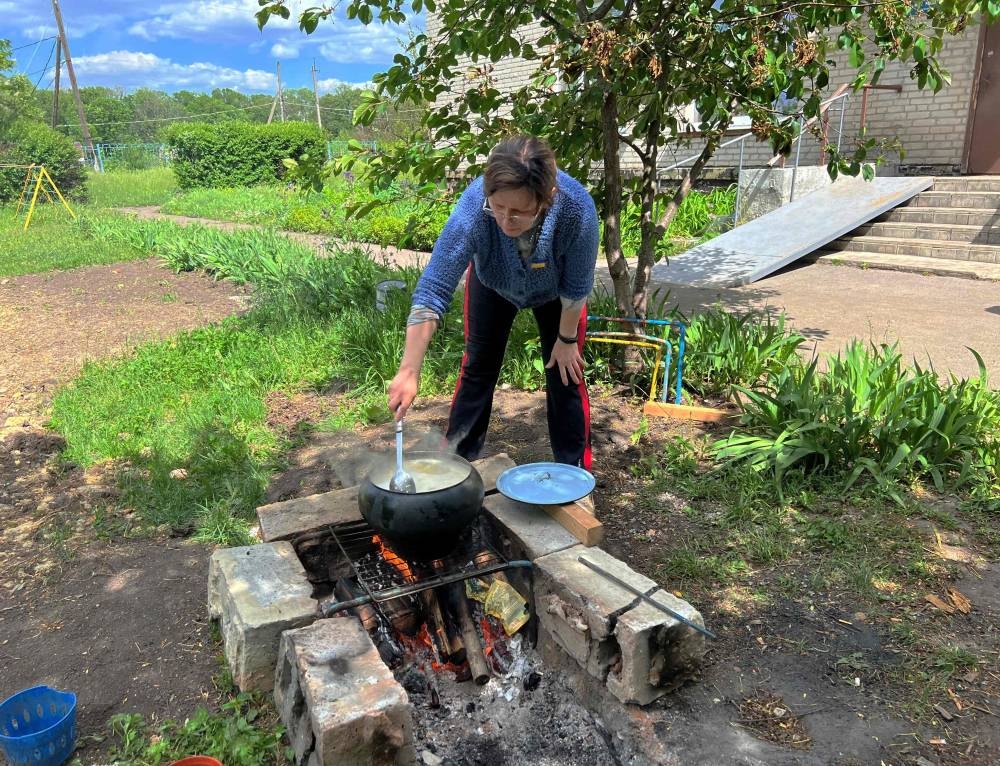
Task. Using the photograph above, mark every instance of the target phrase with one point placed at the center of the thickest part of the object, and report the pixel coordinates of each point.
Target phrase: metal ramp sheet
(771, 242)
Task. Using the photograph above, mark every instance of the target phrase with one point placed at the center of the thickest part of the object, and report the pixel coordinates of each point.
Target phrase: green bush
(308, 219)
(34, 143)
(384, 228)
(230, 154)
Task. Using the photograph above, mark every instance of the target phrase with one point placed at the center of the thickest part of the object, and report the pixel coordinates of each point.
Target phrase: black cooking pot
(427, 524)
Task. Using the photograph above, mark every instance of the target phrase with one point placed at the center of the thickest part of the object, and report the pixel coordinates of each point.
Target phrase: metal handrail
(841, 94)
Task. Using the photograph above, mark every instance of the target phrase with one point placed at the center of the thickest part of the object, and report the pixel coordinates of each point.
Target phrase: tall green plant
(32, 143)
(870, 414)
(728, 352)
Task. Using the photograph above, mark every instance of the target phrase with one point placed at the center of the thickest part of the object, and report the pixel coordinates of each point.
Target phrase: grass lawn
(55, 240)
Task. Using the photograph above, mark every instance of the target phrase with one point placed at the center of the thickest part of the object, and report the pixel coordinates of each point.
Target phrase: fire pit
(512, 648)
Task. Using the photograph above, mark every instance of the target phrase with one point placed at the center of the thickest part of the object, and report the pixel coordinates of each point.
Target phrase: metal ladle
(401, 481)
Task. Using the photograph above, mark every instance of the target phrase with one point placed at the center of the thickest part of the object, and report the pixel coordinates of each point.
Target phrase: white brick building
(954, 131)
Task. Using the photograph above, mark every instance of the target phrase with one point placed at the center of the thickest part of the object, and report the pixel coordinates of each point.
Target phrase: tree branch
(599, 12)
(687, 183)
(633, 146)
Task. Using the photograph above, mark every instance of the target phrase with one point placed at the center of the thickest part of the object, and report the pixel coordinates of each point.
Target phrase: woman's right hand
(402, 391)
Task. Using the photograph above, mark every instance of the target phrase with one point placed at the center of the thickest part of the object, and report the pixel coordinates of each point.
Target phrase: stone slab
(658, 652)
(766, 244)
(344, 706)
(288, 518)
(257, 592)
(532, 530)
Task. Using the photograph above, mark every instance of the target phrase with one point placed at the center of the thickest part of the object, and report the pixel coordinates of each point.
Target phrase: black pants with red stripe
(488, 321)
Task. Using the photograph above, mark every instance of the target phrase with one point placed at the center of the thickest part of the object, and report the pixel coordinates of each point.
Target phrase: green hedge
(33, 142)
(230, 154)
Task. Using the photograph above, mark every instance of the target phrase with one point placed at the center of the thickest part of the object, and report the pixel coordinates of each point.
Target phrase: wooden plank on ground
(289, 518)
(579, 520)
(688, 412)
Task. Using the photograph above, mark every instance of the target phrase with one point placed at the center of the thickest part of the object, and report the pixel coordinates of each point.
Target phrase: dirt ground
(122, 620)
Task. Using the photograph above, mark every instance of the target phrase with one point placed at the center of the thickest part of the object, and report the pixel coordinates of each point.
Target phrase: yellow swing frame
(38, 175)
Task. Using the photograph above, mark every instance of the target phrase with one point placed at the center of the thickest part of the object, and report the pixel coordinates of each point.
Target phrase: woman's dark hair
(522, 162)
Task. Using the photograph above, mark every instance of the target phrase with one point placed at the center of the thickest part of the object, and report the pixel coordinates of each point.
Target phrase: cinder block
(640, 651)
(257, 592)
(578, 607)
(658, 652)
(349, 711)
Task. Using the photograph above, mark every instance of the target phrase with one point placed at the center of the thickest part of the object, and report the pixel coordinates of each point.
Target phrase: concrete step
(934, 198)
(967, 183)
(939, 232)
(957, 216)
(923, 248)
(913, 264)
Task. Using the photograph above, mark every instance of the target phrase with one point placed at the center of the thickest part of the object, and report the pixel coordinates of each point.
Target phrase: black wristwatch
(572, 341)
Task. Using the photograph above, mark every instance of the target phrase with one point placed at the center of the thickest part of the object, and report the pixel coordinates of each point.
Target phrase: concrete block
(578, 608)
(352, 710)
(257, 592)
(658, 652)
(530, 528)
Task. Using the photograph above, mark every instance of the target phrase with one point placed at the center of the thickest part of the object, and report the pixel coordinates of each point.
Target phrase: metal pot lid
(545, 483)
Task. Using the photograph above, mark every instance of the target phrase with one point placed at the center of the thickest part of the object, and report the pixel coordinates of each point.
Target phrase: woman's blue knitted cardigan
(562, 264)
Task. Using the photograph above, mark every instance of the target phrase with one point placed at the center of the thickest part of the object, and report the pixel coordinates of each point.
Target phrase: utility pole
(278, 98)
(55, 92)
(319, 120)
(281, 95)
(84, 128)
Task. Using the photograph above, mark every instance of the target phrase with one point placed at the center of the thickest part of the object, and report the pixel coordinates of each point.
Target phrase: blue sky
(196, 46)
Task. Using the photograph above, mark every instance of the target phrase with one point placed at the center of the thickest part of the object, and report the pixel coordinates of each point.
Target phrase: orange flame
(391, 557)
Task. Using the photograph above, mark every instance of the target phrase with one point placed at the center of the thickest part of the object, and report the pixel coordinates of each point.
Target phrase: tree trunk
(687, 183)
(620, 278)
(647, 228)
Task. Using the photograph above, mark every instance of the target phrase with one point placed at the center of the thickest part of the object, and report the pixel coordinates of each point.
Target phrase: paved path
(932, 317)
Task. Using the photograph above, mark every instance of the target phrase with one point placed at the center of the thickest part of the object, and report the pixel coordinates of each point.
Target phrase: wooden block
(689, 412)
(578, 520)
(587, 503)
(289, 518)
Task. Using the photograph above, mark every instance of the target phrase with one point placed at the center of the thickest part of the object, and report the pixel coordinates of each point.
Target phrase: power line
(168, 119)
(48, 61)
(27, 45)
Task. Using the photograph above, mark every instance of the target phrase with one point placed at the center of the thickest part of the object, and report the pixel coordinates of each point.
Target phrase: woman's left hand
(566, 357)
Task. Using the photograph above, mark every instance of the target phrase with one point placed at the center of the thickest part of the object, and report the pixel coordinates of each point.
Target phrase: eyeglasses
(512, 218)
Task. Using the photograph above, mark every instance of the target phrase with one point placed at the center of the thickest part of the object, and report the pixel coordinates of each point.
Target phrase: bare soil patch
(50, 324)
(85, 605)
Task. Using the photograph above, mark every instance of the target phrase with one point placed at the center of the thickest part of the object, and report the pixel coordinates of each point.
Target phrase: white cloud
(331, 84)
(134, 69)
(217, 19)
(284, 51)
(373, 44)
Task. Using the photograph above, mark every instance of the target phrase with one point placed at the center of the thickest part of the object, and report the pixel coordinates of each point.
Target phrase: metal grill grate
(374, 568)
